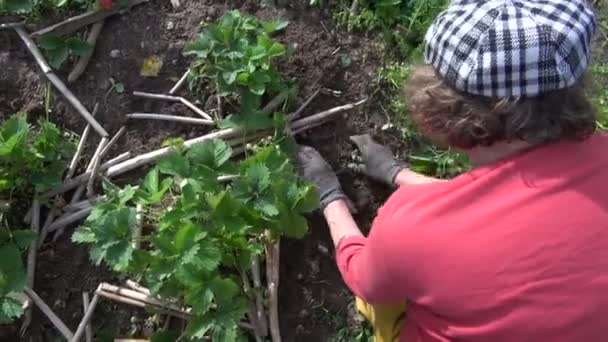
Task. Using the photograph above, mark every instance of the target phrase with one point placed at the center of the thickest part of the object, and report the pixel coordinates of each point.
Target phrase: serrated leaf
(294, 225)
(184, 238)
(51, 42)
(78, 47)
(83, 235)
(22, 238)
(57, 57)
(151, 181)
(11, 269)
(164, 336)
(212, 154)
(198, 326)
(224, 289)
(10, 309)
(258, 177)
(308, 200)
(175, 164)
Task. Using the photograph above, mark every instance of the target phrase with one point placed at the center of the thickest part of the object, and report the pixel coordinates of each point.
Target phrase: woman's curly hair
(452, 118)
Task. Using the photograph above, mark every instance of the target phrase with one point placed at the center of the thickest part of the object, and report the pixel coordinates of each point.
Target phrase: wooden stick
(354, 9)
(85, 320)
(27, 219)
(135, 286)
(139, 222)
(33, 48)
(69, 218)
(11, 25)
(180, 83)
(94, 167)
(259, 300)
(319, 118)
(59, 85)
(74, 24)
(84, 177)
(135, 295)
(272, 277)
(296, 115)
(61, 327)
(83, 139)
(88, 332)
(166, 117)
(275, 102)
(113, 141)
(47, 223)
(83, 61)
(82, 204)
(174, 99)
(31, 260)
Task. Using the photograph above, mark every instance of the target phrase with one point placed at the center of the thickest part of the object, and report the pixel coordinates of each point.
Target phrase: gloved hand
(379, 162)
(316, 170)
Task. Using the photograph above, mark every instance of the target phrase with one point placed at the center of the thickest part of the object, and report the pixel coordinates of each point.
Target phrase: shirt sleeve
(370, 266)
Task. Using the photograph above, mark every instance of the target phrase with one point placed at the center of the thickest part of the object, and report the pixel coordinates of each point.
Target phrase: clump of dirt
(322, 56)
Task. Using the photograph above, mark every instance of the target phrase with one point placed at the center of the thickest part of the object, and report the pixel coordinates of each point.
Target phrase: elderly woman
(517, 248)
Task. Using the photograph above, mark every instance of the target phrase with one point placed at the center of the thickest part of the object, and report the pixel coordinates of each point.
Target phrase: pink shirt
(515, 251)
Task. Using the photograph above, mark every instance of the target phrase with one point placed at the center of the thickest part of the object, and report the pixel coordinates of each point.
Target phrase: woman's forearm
(340, 221)
(408, 177)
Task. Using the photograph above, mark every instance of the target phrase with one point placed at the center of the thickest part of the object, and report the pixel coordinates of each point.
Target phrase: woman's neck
(484, 155)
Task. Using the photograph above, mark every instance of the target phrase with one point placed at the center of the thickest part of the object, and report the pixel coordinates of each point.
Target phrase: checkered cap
(509, 48)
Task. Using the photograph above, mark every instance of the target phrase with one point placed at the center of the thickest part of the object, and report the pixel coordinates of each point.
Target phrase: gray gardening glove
(316, 170)
(379, 162)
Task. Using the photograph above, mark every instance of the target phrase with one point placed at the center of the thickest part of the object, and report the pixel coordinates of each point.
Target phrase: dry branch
(63, 329)
(5, 26)
(296, 115)
(83, 139)
(135, 286)
(88, 331)
(259, 299)
(33, 48)
(139, 222)
(31, 260)
(180, 83)
(145, 300)
(113, 141)
(166, 117)
(275, 102)
(83, 61)
(47, 223)
(69, 218)
(174, 99)
(94, 168)
(252, 310)
(272, 278)
(85, 320)
(320, 118)
(74, 24)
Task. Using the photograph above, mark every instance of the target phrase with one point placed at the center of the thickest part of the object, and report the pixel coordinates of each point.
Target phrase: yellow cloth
(385, 319)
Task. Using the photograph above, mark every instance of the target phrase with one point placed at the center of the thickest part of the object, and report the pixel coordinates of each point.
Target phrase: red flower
(105, 4)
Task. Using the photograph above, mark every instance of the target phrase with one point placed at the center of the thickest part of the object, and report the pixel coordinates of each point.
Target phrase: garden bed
(314, 304)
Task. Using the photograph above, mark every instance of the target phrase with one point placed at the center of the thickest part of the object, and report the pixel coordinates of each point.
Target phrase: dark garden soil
(314, 302)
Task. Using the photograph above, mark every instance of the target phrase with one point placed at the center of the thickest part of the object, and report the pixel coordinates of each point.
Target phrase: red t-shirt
(515, 251)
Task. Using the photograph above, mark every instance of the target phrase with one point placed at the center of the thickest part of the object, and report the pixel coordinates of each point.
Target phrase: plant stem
(83, 61)
(74, 24)
(166, 117)
(252, 313)
(61, 327)
(85, 320)
(88, 332)
(180, 83)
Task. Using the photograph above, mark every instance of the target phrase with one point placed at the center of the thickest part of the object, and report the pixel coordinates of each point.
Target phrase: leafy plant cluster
(600, 95)
(235, 55)
(403, 23)
(200, 232)
(31, 161)
(36, 8)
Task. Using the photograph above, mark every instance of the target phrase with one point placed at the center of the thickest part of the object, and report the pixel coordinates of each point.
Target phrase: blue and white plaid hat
(509, 48)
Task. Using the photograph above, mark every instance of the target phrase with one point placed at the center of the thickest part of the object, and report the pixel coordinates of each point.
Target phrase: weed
(38, 8)
(235, 55)
(600, 93)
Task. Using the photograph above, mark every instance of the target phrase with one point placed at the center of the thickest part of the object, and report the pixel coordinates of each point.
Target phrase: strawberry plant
(235, 55)
(200, 233)
(31, 161)
(58, 49)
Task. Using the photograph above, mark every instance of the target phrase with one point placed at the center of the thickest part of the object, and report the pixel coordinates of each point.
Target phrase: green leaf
(275, 25)
(23, 238)
(258, 177)
(175, 164)
(57, 57)
(151, 181)
(10, 309)
(19, 6)
(276, 49)
(185, 236)
(84, 235)
(308, 200)
(294, 225)
(224, 290)
(78, 47)
(229, 76)
(164, 336)
(213, 153)
(198, 326)
(52, 42)
(11, 269)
